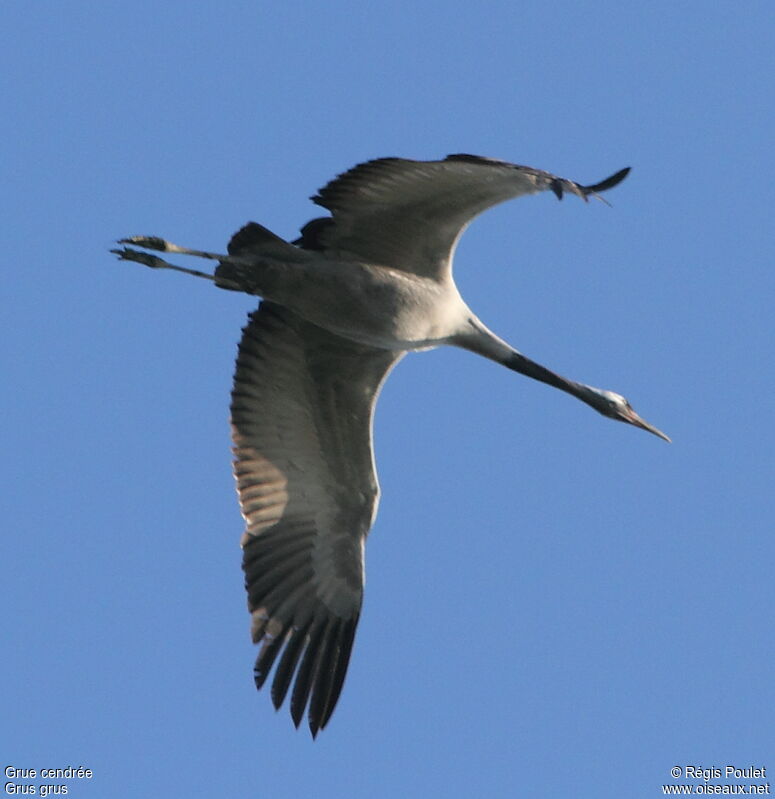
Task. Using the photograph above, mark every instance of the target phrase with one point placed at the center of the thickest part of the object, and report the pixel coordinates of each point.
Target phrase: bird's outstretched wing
(301, 416)
(409, 214)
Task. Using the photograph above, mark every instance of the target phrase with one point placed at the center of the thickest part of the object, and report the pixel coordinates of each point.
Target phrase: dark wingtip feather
(287, 665)
(608, 183)
(266, 658)
(305, 676)
(331, 652)
(346, 638)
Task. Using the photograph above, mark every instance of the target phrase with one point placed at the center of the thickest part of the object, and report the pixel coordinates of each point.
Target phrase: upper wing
(301, 415)
(409, 214)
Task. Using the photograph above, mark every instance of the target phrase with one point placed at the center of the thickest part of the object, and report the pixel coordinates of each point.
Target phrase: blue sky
(556, 605)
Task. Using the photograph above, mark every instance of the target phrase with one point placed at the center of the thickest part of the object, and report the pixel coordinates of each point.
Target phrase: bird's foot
(150, 243)
(153, 261)
(128, 254)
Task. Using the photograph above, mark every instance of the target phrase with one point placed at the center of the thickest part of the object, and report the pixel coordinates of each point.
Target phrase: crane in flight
(340, 307)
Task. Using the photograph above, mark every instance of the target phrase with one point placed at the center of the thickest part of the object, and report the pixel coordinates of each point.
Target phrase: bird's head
(615, 406)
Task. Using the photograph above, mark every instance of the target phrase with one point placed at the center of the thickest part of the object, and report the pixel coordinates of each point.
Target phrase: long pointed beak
(633, 418)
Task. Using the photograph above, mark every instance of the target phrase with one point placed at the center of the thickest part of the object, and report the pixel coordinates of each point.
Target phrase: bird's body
(367, 303)
(341, 306)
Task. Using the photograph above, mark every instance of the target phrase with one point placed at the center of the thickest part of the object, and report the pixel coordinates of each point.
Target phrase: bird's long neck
(518, 362)
(485, 342)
